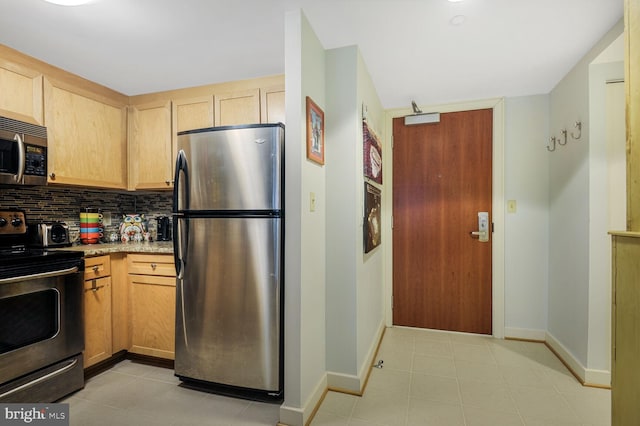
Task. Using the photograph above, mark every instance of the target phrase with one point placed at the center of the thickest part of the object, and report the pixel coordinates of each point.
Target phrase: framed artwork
(372, 217)
(372, 155)
(315, 132)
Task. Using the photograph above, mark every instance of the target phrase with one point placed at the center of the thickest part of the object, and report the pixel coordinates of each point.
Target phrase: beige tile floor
(434, 378)
(428, 378)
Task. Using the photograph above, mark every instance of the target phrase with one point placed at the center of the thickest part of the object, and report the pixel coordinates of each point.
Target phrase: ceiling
(411, 48)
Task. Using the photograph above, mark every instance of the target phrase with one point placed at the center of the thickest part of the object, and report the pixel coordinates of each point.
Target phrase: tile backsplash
(63, 204)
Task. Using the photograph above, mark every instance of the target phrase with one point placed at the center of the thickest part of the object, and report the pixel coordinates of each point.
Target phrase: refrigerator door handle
(181, 166)
(178, 246)
(181, 174)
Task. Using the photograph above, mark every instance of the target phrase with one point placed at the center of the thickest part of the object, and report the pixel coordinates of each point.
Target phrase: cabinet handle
(96, 268)
(168, 182)
(154, 266)
(52, 176)
(94, 287)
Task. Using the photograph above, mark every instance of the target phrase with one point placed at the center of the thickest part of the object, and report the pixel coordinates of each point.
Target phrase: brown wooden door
(441, 180)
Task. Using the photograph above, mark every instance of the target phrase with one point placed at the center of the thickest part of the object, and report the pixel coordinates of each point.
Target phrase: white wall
(333, 294)
(370, 284)
(567, 302)
(342, 205)
(573, 201)
(354, 280)
(526, 236)
(305, 378)
(598, 349)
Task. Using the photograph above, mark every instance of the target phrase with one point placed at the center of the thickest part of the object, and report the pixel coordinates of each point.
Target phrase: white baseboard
(597, 377)
(586, 375)
(351, 383)
(525, 333)
(344, 382)
(298, 416)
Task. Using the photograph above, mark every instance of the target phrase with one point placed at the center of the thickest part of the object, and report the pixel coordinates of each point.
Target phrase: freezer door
(236, 168)
(228, 328)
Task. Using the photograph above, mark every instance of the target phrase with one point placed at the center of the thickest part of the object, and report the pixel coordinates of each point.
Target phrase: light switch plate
(312, 201)
(511, 206)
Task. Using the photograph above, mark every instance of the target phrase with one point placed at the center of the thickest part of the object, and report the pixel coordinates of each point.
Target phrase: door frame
(498, 204)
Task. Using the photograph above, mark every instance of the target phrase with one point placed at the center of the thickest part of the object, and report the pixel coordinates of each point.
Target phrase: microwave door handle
(21, 157)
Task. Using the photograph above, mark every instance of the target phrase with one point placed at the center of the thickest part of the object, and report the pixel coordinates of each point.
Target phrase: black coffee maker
(164, 228)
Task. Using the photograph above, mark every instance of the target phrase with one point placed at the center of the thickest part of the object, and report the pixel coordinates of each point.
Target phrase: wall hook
(564, 135)
(553, 142)
(577, 125)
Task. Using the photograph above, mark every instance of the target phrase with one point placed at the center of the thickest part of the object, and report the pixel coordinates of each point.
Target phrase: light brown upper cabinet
(632, 92)
(190, 114)
(193, 113)
(20, 92)
(241, 107)
(272, 104)
(87, 137)
(150, 146)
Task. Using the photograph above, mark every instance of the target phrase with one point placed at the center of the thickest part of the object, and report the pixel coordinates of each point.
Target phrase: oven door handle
(27, 385)
(40, 275)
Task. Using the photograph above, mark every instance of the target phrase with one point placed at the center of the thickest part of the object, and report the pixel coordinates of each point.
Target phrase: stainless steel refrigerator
(228, 244)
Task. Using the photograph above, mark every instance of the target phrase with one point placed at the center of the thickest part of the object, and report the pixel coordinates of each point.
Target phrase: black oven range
(41, 317)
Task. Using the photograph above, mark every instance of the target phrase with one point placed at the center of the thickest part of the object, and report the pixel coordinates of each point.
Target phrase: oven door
(41, 321)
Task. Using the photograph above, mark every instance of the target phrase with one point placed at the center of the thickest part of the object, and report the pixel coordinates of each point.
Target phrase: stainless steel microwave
(23, 153)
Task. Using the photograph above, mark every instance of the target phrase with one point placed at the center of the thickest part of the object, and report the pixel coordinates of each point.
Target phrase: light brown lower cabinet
(152, 283)
(129, 304)
(97, 310)
(120, 303)
(625, 337)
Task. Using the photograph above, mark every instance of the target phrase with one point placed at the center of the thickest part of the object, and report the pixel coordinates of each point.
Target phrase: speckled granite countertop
(159, 247)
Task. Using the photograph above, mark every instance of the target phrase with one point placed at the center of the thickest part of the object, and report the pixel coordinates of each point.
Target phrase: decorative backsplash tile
(63, 204)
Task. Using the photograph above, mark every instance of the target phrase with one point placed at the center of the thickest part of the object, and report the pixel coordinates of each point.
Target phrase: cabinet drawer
(161, 265)
(96, 267)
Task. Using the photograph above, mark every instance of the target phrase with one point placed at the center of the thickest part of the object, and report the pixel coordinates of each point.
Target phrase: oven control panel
(12, 222)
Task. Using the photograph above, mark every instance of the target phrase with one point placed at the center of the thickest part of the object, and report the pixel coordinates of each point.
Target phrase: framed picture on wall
(372, 154)
(315, 132)
(372, 217)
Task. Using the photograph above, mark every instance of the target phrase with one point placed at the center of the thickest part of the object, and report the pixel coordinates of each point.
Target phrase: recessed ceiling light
(457, 20)
(69, 2)
(454, 1)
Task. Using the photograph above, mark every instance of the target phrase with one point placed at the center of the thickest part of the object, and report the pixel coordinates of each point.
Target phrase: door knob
(483, 227)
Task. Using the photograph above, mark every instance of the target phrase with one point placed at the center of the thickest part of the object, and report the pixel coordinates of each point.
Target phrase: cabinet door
(150, 153)
(153, 300)
(194, 113)
(97, 320)
(625, 365)
(120, 306)
(20, 93)
(87, 137)
(190, 114)
(272, 105)
(632, 92)
(241, 107)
